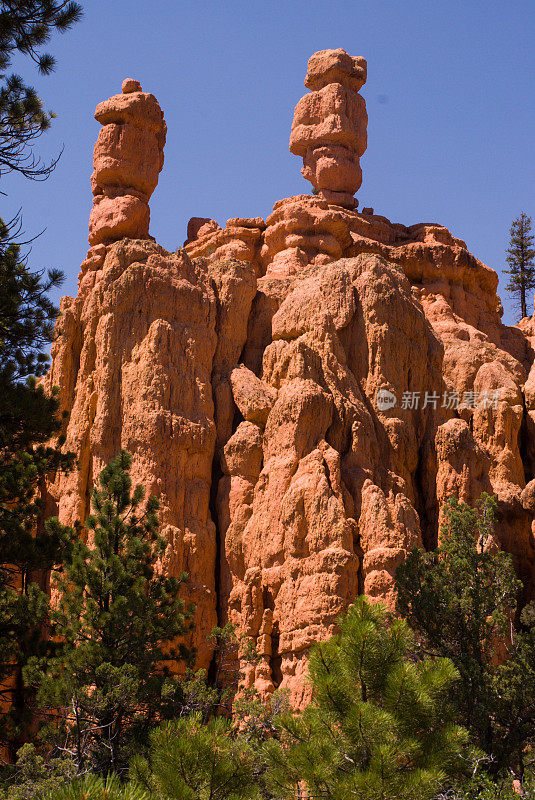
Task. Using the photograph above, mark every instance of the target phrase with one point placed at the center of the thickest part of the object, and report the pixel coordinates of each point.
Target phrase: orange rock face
(303, 393)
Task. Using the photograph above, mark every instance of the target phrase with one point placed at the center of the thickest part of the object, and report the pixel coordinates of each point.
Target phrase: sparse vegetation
(520, 258)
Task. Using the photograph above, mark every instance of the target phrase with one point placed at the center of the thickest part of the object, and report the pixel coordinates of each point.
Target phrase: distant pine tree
(520, 258)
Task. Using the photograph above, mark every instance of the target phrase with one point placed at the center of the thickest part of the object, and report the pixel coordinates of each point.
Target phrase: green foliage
(484, 787)
(378, 725)
(211, 694)
(520, 257)
(206, 698)
(25, 27)
(33, 775)
(461, 600)
(192, 760)
(28, 419)
(27, 315)
(258, 720)
(93, 787)
(117, 619)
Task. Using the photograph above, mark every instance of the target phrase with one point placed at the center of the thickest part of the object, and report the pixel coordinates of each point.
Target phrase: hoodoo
(302, 393)
(127, 160)
(329, 126)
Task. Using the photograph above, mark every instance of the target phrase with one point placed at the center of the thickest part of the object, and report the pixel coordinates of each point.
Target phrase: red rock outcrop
(329, 126)
(127, 160)
(303, 393)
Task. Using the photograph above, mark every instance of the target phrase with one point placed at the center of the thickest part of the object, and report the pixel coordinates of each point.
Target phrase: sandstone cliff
(302, 393)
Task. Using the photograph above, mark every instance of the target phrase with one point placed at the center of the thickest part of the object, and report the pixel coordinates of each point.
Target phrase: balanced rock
(127, 160)
(329, 126)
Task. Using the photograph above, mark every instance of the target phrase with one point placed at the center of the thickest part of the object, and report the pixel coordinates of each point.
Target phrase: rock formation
(127, 160)
(302, 393)
(329, 127)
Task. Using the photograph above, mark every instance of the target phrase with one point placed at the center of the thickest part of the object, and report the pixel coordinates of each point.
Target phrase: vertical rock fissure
(428, 525)
(360, 571)
(216, 476)
(523, 439)
(275, 659)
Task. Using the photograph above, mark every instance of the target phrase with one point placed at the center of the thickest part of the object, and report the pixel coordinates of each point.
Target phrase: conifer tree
(118, 619)
(33, 775)
(199, 761)
(25, 27)
(28, 419)
(94, 787)
(461, 600)
(378, 725)
(520, 257)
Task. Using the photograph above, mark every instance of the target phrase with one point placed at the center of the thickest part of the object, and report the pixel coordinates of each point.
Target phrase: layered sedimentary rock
(303, 394)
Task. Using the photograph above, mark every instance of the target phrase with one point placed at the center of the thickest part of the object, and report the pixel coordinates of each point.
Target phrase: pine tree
(378, 725)
(199, 761)
(521, 262)
(94, 787)
(28, 419)
(118, 619)
(461, 601)
(25, 26)
(212, 692)
(34, 775)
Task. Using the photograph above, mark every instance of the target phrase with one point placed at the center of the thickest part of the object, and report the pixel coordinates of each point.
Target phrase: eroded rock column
(127, 160)
(329, 129)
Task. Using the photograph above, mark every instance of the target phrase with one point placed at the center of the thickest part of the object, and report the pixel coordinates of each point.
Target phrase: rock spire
(127, 161)
(329, 125)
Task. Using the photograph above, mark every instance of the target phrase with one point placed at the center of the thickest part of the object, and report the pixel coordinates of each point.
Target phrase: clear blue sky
(450, 98)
